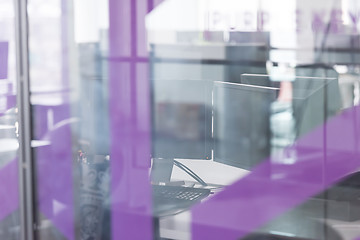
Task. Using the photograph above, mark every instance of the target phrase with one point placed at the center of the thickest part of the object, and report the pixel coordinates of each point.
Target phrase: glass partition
(9, 143)
(185, 119)
(69, 92)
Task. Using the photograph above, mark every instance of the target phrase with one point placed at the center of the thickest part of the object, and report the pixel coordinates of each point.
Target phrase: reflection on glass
(9, 195)
(237, 140)
(70, 118)
(241, 123)
(269, 126)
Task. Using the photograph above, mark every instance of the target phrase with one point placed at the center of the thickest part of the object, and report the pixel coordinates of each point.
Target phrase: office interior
(179, 119)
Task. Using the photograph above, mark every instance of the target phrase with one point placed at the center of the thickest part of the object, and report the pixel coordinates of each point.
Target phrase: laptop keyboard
(170, 199)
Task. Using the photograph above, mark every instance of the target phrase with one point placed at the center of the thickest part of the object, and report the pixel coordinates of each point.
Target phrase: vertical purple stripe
(130, 159)
(273, 188)
(4, 49)
(133, 22)
(9, 189)
(141, 12)
(120, 15)
(130, 132)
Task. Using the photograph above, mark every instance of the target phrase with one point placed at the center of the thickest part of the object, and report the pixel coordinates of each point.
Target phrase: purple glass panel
(9, 189)
(7, 102)
(120, 28)
(129, 123)
(54, 169)
(143, 96)
(142, 10)
(130, 156)
(157, 2)
(3, 60)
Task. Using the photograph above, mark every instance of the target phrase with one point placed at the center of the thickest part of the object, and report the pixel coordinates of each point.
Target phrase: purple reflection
(129, 121)
(323, 157)
(9, 189)
(3, 60)
(10, 102)
(54, 170)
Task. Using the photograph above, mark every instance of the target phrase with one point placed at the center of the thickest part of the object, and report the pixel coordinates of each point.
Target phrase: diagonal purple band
(323, 156)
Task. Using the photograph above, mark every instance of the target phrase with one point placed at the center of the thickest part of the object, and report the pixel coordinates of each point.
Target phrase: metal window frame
(25, 162)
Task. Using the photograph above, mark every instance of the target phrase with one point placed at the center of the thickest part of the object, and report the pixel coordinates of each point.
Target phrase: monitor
(182, 116)
(182, 78)
(241, 123)
(315, 84)
(245, 115)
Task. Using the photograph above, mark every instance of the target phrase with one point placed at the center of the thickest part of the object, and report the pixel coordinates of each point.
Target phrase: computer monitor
(182, 115)
(314, 85)
(182, 77)
(241, 123)
(244, 131)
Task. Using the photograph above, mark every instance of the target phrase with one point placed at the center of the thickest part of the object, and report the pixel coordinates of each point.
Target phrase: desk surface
(179, 226)
(211, 172)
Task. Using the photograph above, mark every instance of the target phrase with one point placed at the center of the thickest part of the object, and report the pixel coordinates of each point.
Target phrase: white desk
(213, 173)
(178, 226)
